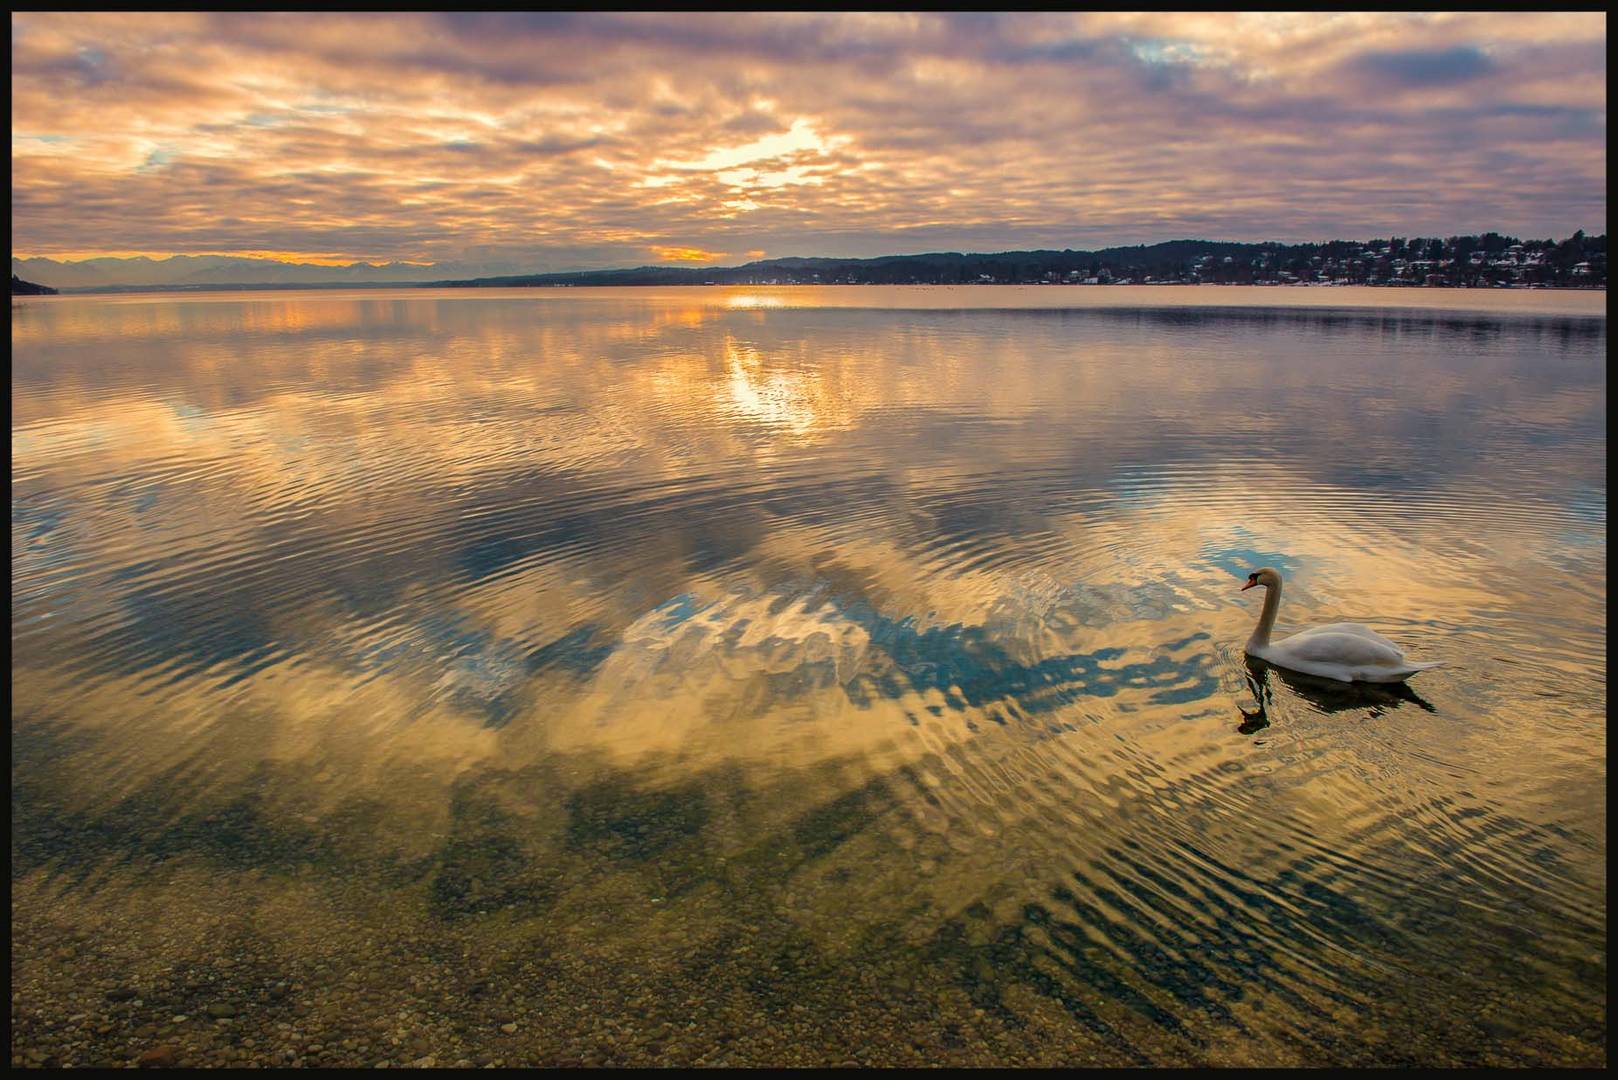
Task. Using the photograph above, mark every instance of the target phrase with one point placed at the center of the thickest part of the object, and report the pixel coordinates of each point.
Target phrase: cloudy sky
(510, 142)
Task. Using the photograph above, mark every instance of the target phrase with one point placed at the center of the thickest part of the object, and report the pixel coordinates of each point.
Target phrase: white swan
(1347, 652)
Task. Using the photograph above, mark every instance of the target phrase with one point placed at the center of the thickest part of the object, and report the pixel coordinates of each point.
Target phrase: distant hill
(936, 268)
(212, 272)
(19, 287)
(1475, 261)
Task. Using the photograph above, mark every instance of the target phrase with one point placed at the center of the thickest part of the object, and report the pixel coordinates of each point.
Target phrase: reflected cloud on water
(903, 640)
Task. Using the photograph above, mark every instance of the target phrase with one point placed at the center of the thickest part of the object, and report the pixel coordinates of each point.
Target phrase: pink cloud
(541, 141)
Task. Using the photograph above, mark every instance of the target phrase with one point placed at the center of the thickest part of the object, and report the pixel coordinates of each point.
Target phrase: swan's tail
(1423, 667)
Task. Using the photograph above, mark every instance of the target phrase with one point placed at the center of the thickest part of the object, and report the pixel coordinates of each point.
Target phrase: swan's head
(1265, 576)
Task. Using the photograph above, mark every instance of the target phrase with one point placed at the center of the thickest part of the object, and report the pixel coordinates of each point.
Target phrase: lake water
(806, 676)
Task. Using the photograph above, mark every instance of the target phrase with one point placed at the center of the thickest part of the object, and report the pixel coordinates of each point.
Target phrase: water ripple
(911, 632)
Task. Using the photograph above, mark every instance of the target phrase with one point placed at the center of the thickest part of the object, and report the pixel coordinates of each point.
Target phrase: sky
(526, 142)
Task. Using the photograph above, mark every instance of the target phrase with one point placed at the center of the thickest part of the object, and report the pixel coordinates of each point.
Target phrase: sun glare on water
(753, 300)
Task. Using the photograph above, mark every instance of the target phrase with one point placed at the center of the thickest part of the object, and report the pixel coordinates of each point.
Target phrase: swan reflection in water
(1325, 695)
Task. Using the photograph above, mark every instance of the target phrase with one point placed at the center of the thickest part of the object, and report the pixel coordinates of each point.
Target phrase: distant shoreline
(126, 290)
(1490, 260)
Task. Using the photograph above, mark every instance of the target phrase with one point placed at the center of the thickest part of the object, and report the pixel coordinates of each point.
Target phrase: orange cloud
(302, 258)
(685, 254)
(514, 142)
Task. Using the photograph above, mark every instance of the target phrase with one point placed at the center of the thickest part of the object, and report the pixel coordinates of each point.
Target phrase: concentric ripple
(838, 658)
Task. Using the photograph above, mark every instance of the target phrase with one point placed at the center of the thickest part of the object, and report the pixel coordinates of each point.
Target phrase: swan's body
(1347, 652)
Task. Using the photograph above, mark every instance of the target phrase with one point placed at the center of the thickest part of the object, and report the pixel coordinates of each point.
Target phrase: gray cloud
(1428, 67)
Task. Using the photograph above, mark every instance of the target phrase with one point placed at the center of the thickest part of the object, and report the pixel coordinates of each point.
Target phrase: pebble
(159, 1057)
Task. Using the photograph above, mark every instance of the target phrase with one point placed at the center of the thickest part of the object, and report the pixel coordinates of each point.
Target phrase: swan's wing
(1354, 628)
(1326, 646)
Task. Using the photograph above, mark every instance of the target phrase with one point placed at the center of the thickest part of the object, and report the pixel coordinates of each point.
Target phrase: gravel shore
(191, 974)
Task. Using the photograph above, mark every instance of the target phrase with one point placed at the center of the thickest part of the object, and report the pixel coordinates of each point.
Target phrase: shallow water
(808, 675)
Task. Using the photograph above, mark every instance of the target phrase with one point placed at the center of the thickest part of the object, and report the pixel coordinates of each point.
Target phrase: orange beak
(1249, 585)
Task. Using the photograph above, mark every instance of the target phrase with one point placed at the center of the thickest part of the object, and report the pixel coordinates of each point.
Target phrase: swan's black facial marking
(1253, 578)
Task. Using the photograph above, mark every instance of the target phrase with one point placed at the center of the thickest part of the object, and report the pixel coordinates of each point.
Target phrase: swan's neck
(1266, 618)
